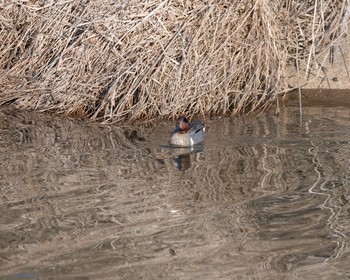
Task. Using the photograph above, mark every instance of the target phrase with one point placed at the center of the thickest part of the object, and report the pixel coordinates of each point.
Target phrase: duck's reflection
(183, 162)
(183, 156)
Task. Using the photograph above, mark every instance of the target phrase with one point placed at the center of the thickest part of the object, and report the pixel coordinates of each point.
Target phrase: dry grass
(127, 60)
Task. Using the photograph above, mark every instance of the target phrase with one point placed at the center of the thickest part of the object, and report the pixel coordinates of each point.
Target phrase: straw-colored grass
(127, 60)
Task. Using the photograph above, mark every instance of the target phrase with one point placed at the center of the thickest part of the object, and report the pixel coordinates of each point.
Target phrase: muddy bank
(319, 97)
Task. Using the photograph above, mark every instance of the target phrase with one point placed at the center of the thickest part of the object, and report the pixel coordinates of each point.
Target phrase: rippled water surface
(265, 197)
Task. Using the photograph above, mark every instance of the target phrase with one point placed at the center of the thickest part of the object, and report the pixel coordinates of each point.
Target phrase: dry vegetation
(126, 60)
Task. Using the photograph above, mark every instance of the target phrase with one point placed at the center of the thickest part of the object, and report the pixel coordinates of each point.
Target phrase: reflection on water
(182, 156)
(266, 198)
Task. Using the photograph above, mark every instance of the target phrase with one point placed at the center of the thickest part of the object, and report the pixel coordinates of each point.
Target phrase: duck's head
(182, 124)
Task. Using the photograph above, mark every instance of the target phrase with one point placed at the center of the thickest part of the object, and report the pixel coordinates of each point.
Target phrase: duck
(187, 134)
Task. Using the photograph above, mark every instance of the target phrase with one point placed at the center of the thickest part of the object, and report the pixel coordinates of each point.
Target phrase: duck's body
(187, 134)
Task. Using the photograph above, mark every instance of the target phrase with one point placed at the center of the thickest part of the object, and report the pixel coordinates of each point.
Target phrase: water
(266, 197)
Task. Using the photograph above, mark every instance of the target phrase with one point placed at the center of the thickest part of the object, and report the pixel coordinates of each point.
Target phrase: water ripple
(263, 198)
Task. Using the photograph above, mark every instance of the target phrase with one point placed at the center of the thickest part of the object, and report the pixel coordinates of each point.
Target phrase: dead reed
(126, 60)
